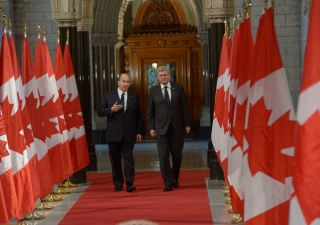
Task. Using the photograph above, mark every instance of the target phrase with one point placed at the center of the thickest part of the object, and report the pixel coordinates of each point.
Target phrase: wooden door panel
(183, 51)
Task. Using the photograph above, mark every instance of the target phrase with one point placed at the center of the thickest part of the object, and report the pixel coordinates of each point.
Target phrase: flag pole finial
(249, 5)
(234, 24)
(245, 11)
(39, 30)
(265, 5)
(25, 28)
(68, 35)
(226, 27)
(4, 21)
(10, 25)
(44, 32)
(239, 17)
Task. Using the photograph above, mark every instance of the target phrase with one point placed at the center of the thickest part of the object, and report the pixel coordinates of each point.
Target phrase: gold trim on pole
(238, 220)
(61, 191)
(226, 194)
(228, 202)
(44, 206)
(4, 21)
(33, 215)
(68, 183)
(52, 198)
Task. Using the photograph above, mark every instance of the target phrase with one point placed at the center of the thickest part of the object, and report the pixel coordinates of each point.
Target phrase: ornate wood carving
(160, 17)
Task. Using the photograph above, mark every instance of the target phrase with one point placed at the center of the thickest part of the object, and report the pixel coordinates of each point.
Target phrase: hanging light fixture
(150, 1)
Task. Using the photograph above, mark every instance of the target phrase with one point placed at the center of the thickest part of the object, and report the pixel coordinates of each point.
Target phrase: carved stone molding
(203, 37)
(66, 12)
(163, 35)
(87, 16)
(121, 21)
(215, 11)
(160, 16)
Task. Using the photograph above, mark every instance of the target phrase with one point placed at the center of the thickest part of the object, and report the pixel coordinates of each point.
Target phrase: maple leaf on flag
(52, 127)
(37, 121)
(225, 118)
(238, 126)
(218, 111)
(272, 137)
(3, 150)
(15, 135)
(78, 120)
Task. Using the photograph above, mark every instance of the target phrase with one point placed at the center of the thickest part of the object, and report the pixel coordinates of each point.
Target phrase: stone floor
(146, 159)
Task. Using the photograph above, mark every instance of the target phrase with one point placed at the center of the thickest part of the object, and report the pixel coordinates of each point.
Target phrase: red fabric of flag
(305, 203)
(76, 111)
(34, 109)
(242, 79)
(219, 133)
(270, 133)
(15, 135)
(61, 81)
(27, 128)
(8, 198)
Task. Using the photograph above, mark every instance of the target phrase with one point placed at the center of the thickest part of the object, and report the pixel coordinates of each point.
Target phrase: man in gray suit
(168, 121)
(124, 128)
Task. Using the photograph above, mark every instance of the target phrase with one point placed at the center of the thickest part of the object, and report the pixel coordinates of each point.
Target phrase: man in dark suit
(168, 121)
(124, 128)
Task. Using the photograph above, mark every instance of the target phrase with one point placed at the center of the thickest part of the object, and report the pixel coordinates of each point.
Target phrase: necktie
(122, 100)
(166, 96)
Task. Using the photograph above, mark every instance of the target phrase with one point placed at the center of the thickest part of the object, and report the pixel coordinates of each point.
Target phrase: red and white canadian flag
(52, 117)
(230, 111)
(267, 162)
(57, 116)
(34, 108)
(219, 133)
(305, 202)
(61, 80)
(242, 79)
(15, 135)
(8, 198)
(27, 127)
(76, 111)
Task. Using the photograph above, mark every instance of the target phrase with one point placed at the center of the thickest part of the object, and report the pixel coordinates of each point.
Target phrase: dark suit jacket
(128, 123)
(160, 115)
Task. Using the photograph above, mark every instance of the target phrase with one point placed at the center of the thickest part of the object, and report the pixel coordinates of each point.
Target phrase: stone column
(76, 17)
(214, 14)
(105, 76)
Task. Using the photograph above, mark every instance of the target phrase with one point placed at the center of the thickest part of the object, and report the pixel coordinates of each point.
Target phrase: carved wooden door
(181, 54)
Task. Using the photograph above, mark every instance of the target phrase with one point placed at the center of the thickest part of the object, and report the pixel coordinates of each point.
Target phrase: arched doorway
(162, 38)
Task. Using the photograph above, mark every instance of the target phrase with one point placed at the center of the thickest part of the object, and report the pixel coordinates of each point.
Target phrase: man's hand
(139, 137)
(188, 130)
(153, 133)
(116, 107)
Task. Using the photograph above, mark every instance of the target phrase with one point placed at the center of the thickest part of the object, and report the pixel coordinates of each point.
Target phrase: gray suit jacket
(160, 115)
(128, 123)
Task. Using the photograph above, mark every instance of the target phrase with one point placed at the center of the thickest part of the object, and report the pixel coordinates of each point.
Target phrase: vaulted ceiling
(116, 18)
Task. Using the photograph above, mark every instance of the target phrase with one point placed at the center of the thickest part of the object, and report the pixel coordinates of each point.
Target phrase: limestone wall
(288, 27)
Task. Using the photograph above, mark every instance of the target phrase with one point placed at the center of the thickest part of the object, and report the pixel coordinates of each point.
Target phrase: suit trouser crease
(124, 149)
(172, 143)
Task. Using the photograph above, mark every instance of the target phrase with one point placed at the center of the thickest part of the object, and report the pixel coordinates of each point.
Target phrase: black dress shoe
(167, 189)
(176, 184)
(118, 189)
(131, 188)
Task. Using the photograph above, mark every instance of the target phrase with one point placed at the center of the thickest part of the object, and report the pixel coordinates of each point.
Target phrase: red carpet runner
(101, 205)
